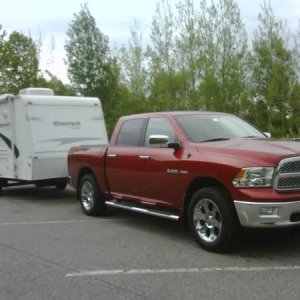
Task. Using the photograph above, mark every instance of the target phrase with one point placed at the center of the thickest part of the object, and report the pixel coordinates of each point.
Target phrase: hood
(253, 152)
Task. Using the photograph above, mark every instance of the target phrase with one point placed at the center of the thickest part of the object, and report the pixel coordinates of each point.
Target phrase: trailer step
(143, 210)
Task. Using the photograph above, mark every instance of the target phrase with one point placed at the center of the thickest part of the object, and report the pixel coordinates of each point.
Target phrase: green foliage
(162, 52)
(18, 62)
(168, 92)
(274, 77)
(188, 46)
(205, 47)
(56, 85)
(91, 68)
(132, 62)
(198, 59)
(224, 56)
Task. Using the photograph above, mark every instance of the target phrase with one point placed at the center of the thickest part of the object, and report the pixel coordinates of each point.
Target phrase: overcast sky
(50, 19)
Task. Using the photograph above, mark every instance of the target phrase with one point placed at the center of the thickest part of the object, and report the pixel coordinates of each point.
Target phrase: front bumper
(252, 214)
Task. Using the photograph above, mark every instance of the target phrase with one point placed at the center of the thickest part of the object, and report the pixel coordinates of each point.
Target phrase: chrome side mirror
(268, 134)
(159, 140)
(163, 141)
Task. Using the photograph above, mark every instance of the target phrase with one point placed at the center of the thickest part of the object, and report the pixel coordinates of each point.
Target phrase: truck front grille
(287, 176)
(290, 167)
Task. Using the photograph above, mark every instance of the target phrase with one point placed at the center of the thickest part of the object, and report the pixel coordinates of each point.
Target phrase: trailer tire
(91, 199)
(213, 220)
(2, 183)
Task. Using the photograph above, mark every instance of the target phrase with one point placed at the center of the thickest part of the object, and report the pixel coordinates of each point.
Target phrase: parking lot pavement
(50, 250)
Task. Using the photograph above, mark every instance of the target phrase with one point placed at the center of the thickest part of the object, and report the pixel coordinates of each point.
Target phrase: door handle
(112, 155)
(144, 157)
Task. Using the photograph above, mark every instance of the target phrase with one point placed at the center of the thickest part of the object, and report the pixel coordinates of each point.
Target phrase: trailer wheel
(91, 200)
(212, 220)
(2, 183)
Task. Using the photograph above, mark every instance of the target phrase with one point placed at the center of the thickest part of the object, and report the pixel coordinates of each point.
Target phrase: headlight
(254, 177)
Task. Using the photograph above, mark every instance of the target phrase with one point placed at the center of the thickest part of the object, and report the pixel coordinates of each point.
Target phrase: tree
(169, 81)
(233, 40)
(92, 69)
(18, 62)
(133, 65)
(223, 56)
(188, 45)
(55, 84)
(2, 59)
(161, 52)
(274, 76)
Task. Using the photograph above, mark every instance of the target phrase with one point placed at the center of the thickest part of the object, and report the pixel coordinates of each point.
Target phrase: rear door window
(132, 133)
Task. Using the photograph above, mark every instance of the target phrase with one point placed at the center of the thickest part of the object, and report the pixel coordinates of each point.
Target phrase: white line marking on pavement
(183, 270)
(58, 222)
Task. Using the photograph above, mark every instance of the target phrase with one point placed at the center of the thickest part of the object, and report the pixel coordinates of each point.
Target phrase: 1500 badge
(175, 171)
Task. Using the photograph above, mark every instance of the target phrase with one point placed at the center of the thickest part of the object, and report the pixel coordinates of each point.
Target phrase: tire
(2, 184)
(91, 200)
(213, 220)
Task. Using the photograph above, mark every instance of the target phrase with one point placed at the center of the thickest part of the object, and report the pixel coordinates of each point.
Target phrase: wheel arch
(197, 184)
(83, 171)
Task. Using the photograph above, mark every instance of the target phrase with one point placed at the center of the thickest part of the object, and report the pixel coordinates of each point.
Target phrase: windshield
(215, 127)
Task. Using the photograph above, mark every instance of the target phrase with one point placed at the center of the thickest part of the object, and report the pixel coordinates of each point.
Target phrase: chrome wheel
(87, 195)
(207, 220)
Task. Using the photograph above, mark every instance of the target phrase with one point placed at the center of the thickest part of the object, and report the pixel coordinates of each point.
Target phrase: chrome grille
(291, 167)
(287, 176)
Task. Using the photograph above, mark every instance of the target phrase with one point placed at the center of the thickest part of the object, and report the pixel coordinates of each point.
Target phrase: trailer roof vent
(37, 91)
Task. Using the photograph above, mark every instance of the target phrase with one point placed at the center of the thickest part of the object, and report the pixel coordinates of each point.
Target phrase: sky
(49, 20)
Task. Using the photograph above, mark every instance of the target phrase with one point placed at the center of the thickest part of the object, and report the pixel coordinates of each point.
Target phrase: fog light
(268, 211)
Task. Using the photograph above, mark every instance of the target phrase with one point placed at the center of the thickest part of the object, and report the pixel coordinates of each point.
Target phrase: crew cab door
(138, 171)
(123, 162)
(161, 174)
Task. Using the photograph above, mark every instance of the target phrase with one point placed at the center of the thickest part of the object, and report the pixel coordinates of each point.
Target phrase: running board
(151, 212)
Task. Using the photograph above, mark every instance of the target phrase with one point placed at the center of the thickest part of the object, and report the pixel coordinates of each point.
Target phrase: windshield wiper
(251, 137)
(215, 140)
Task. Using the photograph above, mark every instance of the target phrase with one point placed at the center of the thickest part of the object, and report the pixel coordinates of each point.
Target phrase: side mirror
(176, 146)
(268, 134)
(159, 140)
(163, 141)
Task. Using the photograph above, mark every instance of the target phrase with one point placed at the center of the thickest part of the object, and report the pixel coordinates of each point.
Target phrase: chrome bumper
(253, 214)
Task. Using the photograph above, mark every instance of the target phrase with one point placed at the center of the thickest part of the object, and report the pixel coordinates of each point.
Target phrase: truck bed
(87, 159)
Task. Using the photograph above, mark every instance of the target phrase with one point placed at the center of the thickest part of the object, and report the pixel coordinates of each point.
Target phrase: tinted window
(159, 126)
(131, 133)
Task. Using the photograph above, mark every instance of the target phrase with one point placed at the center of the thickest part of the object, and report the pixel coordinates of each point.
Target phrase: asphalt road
(50, 250)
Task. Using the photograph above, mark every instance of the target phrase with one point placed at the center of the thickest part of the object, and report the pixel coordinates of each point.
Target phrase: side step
(152, 212)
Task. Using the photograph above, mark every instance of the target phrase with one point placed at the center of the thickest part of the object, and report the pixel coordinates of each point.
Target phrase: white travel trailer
(38, 128)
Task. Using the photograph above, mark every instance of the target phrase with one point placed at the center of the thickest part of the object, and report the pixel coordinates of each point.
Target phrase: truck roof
(173, 113)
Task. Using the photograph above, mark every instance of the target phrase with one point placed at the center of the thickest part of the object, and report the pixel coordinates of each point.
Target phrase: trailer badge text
(68, 124)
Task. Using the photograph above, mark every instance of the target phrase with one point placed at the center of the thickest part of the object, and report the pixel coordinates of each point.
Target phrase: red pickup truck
(212, 169)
